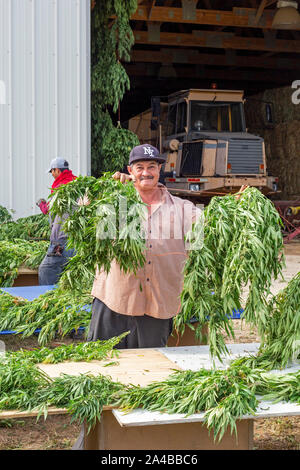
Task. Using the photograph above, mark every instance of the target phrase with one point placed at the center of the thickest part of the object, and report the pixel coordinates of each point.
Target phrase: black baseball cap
(145, 152)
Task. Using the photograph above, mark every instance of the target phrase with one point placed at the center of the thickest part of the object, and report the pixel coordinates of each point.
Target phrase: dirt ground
(58, 433)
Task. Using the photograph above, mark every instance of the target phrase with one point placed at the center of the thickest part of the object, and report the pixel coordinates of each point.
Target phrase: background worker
(57, 255)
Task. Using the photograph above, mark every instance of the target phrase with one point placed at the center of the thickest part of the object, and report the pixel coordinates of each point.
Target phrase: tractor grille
(191, 158)
(245, 155)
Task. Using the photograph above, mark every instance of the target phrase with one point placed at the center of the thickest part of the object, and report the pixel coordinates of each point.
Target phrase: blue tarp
(28, 292)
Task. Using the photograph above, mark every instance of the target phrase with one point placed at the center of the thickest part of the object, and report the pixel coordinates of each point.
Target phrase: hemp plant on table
(54, 313)
(24, 386)
(15, 253)
(242, 246)
(33, 227)
(109, 228)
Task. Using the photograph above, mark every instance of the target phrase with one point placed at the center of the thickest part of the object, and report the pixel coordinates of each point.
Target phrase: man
(57, 255)
(146, 303)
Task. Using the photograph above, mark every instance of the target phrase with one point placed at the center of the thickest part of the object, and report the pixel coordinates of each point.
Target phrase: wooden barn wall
(282, 140)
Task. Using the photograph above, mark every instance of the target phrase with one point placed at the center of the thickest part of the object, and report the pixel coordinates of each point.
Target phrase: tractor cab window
(171, 129)
(218, 117)
(177, 118)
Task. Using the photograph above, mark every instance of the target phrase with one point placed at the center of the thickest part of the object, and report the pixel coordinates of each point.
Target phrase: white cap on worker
(60, 163)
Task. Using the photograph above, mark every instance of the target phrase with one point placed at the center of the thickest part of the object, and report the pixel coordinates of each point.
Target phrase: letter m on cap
(148, 151)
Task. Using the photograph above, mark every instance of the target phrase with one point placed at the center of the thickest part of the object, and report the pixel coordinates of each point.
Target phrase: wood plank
(239, 17)
(260, 11)
(24, 270)
(190, 72)
(219, 40)
(12, 414)
(193, 56)
(16, 414)
(138, 367)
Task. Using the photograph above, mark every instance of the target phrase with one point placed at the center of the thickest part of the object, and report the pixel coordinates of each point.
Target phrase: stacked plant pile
(14, 254)
(33, 227)
(5, 215)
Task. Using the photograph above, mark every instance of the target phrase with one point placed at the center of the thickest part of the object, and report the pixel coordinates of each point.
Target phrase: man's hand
(123, 177)
(239, 193)
(83, 201)
(43, 206)
(40, 201)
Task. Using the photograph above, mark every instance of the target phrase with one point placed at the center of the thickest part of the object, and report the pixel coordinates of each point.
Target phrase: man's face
(55, 172)
(146, 174)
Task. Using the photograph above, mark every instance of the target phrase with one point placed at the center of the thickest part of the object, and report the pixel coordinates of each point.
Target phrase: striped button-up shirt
(155, 289)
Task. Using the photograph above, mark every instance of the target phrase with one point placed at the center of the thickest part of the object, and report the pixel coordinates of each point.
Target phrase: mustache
(146, 178)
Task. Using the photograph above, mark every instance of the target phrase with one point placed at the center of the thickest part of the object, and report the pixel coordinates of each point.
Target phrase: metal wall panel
(45, 69)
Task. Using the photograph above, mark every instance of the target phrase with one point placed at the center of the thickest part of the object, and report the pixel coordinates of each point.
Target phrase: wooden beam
(219, 40)
(260, 11)
(243, 17)
(162, 87)
(207, 4)
(151, 6)
(193, 56)
(212, 74)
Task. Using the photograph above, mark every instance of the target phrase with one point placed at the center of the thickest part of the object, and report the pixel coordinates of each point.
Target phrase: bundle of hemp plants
(24, 386)
(33, 227)
(19, 252)
(5, 215)
(280, 338)
(55, 313)
(224, 396)
(83, 396)
(242, 247)
(76, 352)
(109, 228)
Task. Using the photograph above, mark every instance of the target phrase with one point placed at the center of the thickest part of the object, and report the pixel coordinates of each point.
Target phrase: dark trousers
(145, 332)
(52, 265)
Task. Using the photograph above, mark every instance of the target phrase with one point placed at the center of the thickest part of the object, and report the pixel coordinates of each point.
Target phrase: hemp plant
(242, 247)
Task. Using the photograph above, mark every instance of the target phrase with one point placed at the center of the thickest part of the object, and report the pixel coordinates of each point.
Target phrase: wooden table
(145, 430)
(26, 277)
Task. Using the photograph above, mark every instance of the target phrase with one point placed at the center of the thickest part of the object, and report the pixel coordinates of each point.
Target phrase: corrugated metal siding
(45, 66)
(245, 155)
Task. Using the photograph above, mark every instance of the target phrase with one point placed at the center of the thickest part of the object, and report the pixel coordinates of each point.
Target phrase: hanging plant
(112, 42)
(116, 148)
